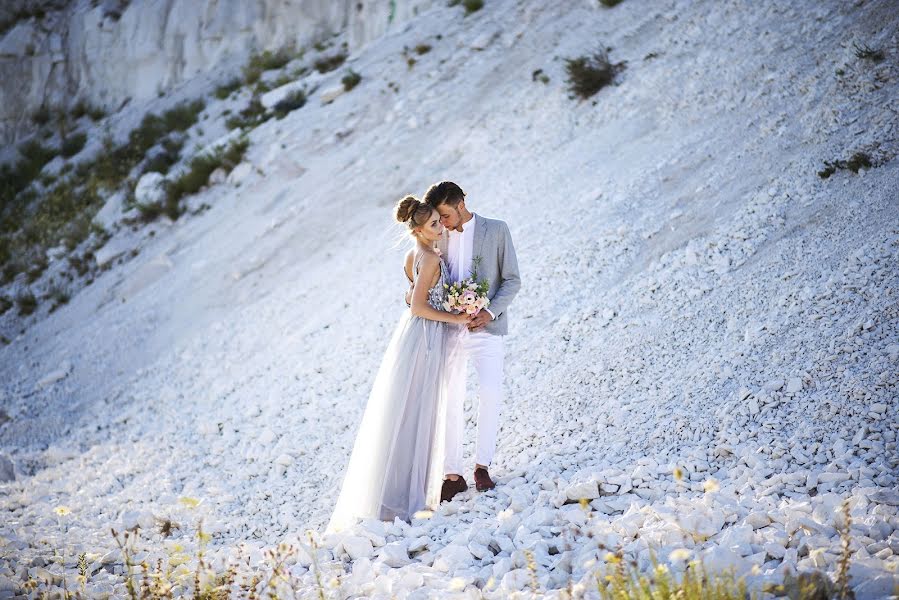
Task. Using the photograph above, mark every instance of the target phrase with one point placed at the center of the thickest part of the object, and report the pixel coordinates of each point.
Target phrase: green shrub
(73, 144)
(83, 108)
(59, 295)
(41, 116)
(859, 160)
(326, 64)
(198, 171)
(610, 3)
(294, 100)
(154, 127)
(472, 6)
(27, 303)
(422, 49)
(865, 52)
(170, 154)
(223, 91)
(267, 61)
(589, 74)
(351, 80)
(37, 268)
(253, 115)
(5, 304)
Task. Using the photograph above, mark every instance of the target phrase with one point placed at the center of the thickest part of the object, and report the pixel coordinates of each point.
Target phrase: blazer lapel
(480, 234)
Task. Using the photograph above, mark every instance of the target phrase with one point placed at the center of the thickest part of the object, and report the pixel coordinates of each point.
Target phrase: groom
(484, 247)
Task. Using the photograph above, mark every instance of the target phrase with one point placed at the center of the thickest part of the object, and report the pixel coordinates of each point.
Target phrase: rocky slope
(704, 347)
(107, 53)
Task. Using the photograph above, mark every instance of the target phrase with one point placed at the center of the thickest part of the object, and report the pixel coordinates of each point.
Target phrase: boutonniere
(475, 263)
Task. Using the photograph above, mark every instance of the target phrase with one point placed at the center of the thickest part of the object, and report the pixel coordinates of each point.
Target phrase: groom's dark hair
(445, 192)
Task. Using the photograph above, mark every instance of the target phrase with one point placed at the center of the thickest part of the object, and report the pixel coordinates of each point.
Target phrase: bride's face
(431, 230)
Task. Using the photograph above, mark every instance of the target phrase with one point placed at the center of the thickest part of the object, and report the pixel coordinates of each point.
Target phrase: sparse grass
(37, 268)
(41, 116)
(351, 80)
(422, 49)
(472, 6)
(610, 3)
(82, 108)
(589, 74)
(13, 179)
(326, 64)
(865, 52)
(623, 581)
(294, 100)
(168, 155)
(27, 303)
(539, 75)
(252, 116)
(267, 61)
(5, 304)
(154, 127)
(197, 174)
(58, 296)
(859, 160)
(73, 144)
(223, 91)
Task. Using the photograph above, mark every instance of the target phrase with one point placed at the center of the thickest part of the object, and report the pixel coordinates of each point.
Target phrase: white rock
(832, 477)
(240, 173)
(218, 176)
(358, 547)
(587, 489)
(794, 384)
(150, 188)
(54, 376)
(395, 554)
(888, 497)
(484, 39)
(7, 470)
(452, 557)
(717, 559)
(330, 94)
(878, 407)
(112, 211)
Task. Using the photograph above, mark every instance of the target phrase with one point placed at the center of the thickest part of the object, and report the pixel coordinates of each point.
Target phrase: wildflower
(679, 555)
(584, 503)
(612, 558)
(678, 474)
(189, 502)
(62, 510)
(711, 485)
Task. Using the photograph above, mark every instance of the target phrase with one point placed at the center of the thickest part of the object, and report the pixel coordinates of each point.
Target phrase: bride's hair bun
(406, 207)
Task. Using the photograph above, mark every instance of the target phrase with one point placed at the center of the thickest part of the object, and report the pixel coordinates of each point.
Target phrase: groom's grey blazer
(498, 265)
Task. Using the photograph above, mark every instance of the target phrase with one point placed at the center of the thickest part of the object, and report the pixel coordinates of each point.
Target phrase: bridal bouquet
(467, 296)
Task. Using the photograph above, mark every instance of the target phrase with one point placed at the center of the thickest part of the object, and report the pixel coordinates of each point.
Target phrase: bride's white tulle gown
(396, 467)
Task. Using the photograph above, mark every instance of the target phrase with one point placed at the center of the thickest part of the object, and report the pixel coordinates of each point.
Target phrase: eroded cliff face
(105, 53)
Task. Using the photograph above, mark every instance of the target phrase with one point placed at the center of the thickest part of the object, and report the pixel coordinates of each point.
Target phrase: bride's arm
(430, 265)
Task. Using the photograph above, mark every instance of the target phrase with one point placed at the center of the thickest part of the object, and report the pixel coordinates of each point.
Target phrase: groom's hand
(479, 321)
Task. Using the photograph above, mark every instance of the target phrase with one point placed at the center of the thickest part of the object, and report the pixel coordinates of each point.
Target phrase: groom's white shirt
(461, 245)
(460, 248)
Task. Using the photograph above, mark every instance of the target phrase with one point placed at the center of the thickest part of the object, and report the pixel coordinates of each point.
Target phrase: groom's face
(450, 216)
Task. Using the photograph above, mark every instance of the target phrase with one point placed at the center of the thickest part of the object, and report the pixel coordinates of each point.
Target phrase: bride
(396, 467)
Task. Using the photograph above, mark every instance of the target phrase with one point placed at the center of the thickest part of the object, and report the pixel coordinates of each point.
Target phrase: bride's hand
(463, 319)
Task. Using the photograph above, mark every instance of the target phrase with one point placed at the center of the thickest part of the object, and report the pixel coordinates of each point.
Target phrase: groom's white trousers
(486, 351)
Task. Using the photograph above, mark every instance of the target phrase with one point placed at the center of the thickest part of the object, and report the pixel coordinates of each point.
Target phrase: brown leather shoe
(482, 481)
(451, 488)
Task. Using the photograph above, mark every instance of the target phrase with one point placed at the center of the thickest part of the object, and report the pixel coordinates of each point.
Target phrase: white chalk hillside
(695, 298)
